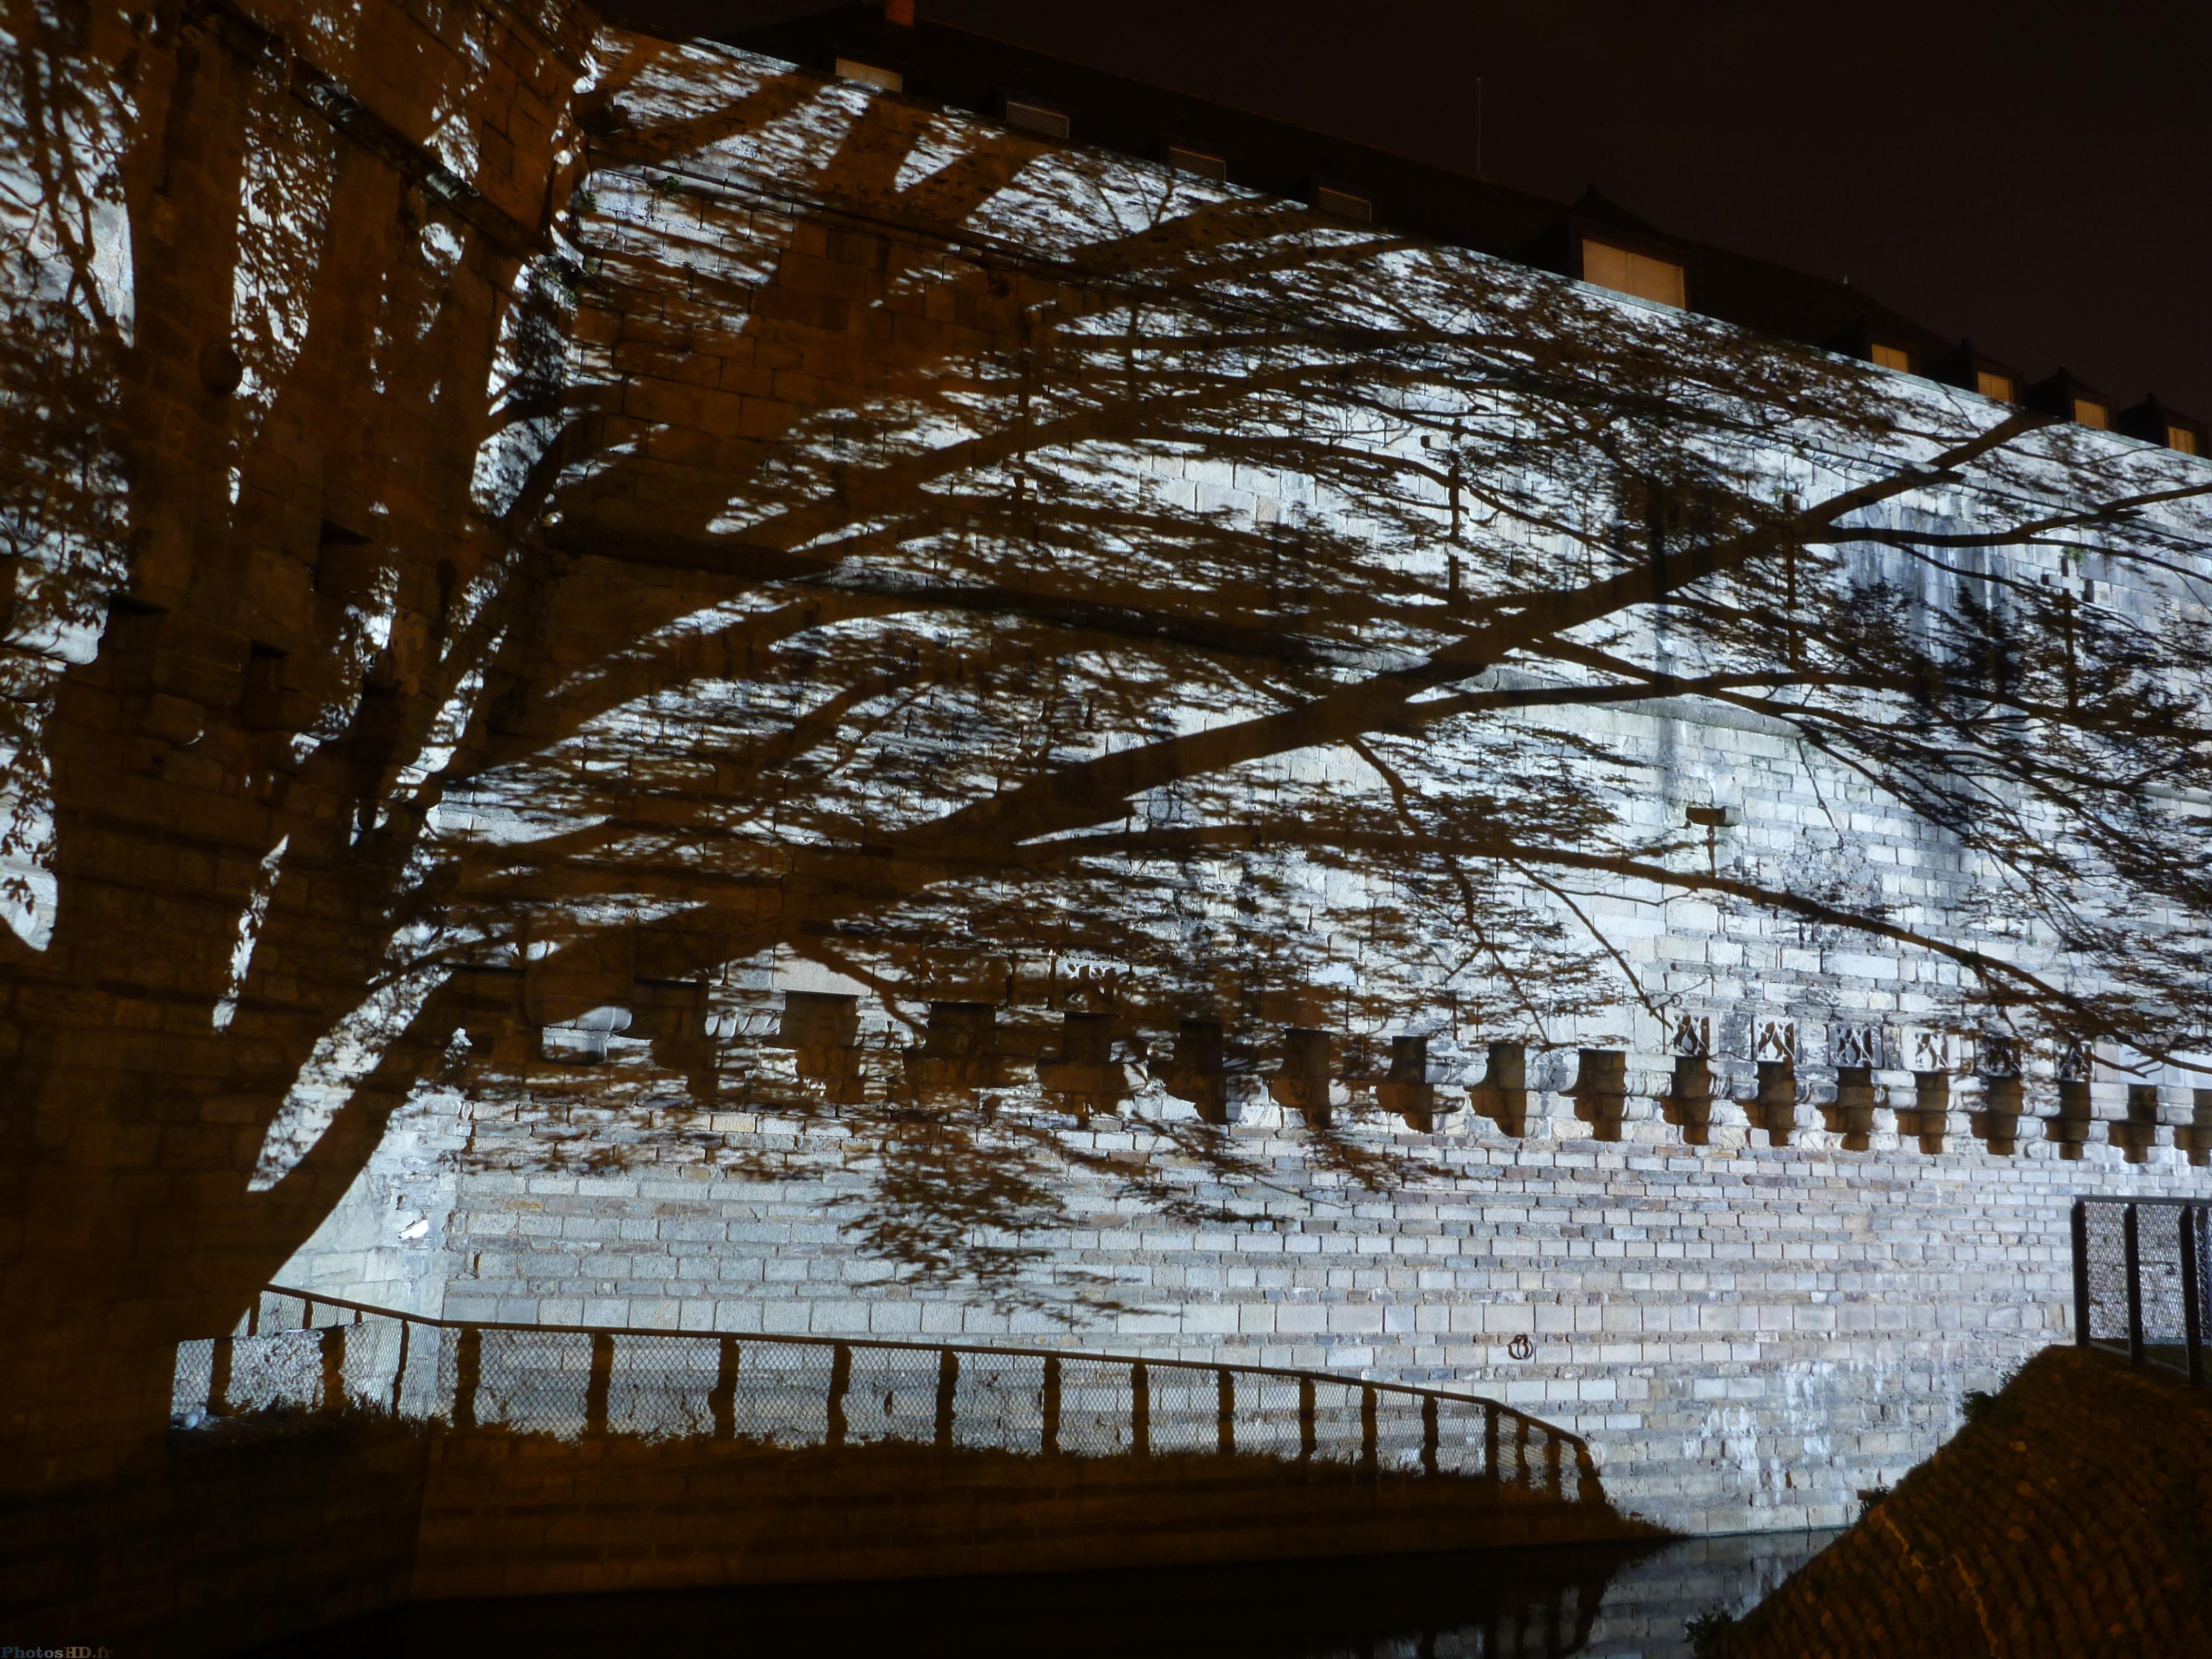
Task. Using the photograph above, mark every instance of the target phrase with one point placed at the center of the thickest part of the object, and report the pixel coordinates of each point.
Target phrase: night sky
(2037, 177)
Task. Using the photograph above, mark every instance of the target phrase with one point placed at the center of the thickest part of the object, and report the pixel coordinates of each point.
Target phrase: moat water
(1619, 1603)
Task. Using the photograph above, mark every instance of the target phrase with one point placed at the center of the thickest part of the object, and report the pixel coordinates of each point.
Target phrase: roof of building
(962, 69)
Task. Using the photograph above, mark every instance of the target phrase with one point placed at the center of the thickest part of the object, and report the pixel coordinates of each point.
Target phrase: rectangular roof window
(1044, 121)
(1198, 161)
(1640, 274)
(1998, 388)
(2087, 411)
(875, 75)
(2181, 438)
(1890, 356)
(1344, 204)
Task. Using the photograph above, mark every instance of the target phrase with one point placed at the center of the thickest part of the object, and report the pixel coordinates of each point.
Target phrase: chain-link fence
(2139, 1280)
(300, 1353)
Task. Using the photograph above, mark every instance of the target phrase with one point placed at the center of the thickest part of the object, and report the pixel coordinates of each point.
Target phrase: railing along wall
(2140, 1282)
(303, 1352)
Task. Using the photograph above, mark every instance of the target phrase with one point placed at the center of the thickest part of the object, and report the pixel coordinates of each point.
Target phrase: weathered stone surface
(1747, 1336)
(1753, 1309)
(2073, 1518)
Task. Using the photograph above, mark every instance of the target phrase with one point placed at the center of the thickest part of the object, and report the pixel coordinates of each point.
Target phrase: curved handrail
(463, 1377)
(316, 1297)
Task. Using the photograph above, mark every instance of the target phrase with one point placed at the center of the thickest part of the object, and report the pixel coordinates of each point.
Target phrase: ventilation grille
(1201, 163)
(1045, 122)
(1343, 205)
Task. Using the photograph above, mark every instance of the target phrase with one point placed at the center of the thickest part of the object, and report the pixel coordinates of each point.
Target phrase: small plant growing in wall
(1708, 1631)
(1990, 1406)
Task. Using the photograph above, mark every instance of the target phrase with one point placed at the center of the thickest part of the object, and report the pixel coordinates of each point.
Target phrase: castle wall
(1747, 1331)
(1746, 1334)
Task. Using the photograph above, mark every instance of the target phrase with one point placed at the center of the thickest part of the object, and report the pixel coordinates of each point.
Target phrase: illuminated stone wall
(1755, 1266)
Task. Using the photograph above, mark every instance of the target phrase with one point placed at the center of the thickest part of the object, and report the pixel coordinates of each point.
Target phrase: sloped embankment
(2072, 1518)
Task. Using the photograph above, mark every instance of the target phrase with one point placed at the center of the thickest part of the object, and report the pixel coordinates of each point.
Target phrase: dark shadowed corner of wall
(2071, 1516)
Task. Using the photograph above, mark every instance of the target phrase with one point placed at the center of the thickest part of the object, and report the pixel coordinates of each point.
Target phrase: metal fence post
(468, 1367)
(2080, 1273)
(1140, 1409)
(600, 1383)
(1588, 1489)
(334, 1347)
(1367, 1437)
(1225, 1412)
(841, 1379)
(399, 1372)
(2192, 1322)
(2135, 1290)
(948, 1394)
(219, 1360)
(1428, 1434)
(723, 1402)
(1490, 1438)
(1051, 1441)
(1308, 1434)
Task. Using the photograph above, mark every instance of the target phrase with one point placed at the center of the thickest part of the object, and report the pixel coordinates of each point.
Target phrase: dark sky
(2038, 177)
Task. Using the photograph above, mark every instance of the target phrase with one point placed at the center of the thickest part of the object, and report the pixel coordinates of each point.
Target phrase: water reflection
(1617, 1602)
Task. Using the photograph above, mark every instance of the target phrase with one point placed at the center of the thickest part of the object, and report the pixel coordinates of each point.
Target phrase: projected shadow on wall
(1125, 646)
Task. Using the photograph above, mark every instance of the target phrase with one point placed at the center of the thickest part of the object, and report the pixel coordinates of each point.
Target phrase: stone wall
(1746, 1336)
(2071, 1518)
(1756, 1285)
